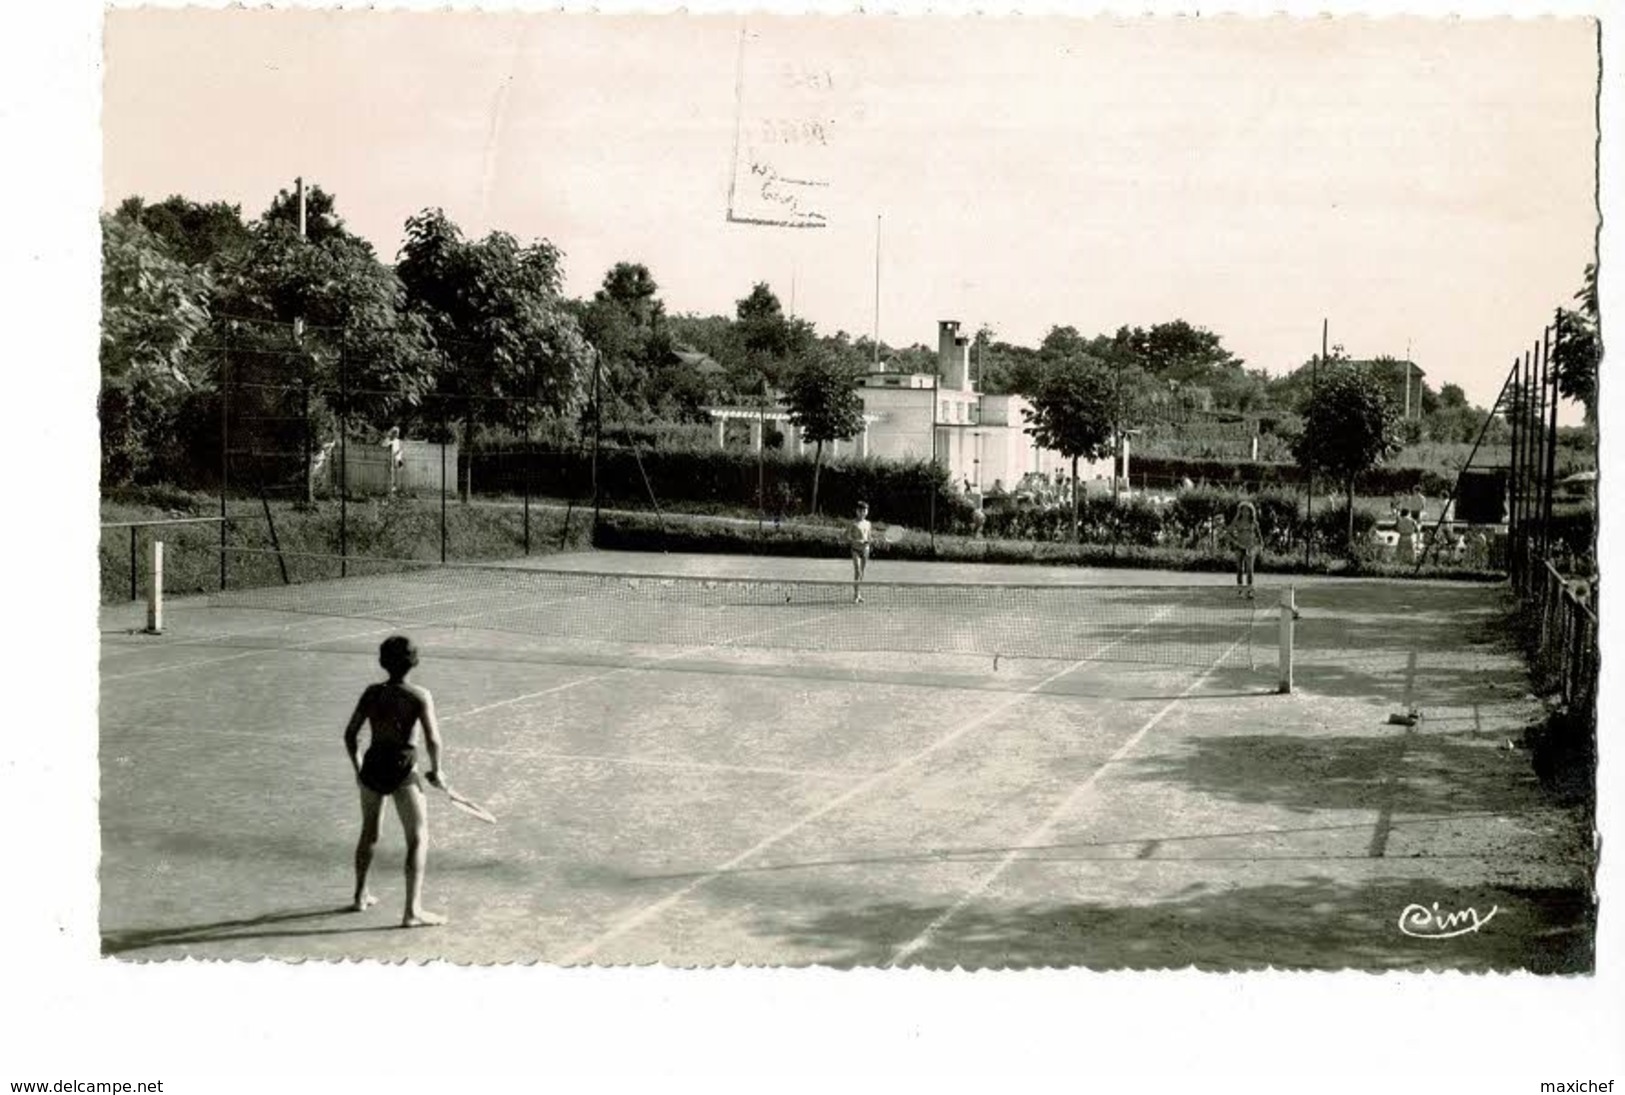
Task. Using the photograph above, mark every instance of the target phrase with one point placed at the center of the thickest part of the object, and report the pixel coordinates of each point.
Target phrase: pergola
(756, 418)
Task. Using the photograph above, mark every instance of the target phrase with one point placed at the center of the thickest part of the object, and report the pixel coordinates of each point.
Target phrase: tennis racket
(469, 806)
(893, 534)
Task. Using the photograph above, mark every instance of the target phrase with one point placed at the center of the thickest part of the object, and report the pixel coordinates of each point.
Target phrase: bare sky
(1418, 183)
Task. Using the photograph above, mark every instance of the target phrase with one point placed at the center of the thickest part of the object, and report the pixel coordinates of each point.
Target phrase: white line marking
(396, 626)
(280, 741)
(1038, 836)
(643, 666)
(650, 912)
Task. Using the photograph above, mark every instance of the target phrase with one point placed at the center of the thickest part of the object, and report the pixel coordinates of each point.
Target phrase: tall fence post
(524, 453)
(304, 415)
(1515, 415)
(443, 485)
(1551, 434)
(597, 435)
(344, 459)
(225, 448)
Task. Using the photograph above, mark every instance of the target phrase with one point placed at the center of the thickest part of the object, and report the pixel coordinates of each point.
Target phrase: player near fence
(1243, 537)
(858, 536)
(393, 709)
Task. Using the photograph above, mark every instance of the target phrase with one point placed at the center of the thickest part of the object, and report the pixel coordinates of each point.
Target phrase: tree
(624, 321)
(822, 394)
(153, 306)
(1175, 351)
(1452, 395)
(355, 333)
(1072, 414)
(196, 233)
(770, 339)
(153, 309)
(322, 221)
(1578, 350)
(1350, 425)
(1062, 342)
(493, 307)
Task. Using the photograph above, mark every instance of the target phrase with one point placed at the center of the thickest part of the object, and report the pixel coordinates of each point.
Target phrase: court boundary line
(307, 644)
(1035, 838)
(279, 740)
(302, 618)
(655, 909)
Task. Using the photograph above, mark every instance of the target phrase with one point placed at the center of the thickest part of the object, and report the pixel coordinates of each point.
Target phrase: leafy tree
(153, 309)
(824, 403)
(770, 339)
(1174, 351)
(153, 306)
(1578, 350)
(1011, 369)
(1072, 414)
(352, 309)
(1063, 342)
(322, 220)
(493, 308)
(1457, 423)
(196, 233)
(1452, 395)
(1350, 426)
(624, 322)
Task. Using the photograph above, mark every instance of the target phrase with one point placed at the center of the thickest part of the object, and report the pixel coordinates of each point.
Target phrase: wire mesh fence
(309, 446)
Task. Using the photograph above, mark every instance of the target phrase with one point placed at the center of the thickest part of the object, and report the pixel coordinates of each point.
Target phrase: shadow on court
(1351, 634)
(1434, 774)
(1319, 924)
(276, 925)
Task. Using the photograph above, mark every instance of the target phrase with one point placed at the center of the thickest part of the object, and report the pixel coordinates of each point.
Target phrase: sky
(1427, 187)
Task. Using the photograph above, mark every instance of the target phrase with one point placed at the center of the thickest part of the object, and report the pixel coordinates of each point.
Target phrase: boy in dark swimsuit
(393, 709)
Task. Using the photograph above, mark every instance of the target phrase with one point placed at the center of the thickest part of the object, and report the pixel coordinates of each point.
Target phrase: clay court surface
(729, 803)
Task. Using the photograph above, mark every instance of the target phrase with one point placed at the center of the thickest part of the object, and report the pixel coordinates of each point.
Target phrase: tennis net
(1202, 625)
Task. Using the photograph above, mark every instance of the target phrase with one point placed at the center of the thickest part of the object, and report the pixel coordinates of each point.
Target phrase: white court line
(1039, 836)
(280, 741)
(396, 626)
(642, 666)
(181, 606)
(650, 912)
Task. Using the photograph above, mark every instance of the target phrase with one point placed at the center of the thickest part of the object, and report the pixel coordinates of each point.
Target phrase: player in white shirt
(857, 538)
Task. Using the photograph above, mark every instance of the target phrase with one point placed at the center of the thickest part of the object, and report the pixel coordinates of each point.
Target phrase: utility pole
(877, 296)
(1309, 500)
(299, 355)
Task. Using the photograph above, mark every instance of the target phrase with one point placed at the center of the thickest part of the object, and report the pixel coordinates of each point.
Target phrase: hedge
(677, 478)
(647, 532)
(1236, 473)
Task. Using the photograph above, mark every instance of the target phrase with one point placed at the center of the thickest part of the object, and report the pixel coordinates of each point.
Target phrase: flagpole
(877, 291)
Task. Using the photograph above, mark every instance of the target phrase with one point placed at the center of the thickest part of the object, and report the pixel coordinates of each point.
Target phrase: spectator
(1407, 529)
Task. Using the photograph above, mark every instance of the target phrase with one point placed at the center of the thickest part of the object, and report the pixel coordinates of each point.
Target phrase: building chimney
(953, 356)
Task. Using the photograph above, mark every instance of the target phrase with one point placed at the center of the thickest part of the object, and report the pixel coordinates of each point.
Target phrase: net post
(1289, 614)
(155, 591)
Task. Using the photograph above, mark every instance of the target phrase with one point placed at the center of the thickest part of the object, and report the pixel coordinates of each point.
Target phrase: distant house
(981, 439)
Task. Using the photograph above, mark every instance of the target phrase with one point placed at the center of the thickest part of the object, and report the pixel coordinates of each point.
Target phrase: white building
(981, 439)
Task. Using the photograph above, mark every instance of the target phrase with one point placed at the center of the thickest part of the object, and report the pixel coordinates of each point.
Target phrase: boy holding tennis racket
(1244, 538)
(394, 709)
(857, 538)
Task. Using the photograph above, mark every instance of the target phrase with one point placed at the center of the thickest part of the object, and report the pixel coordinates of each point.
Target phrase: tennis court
(709, 760)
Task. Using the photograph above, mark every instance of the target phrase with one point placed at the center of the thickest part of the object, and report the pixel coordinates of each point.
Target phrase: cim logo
(1428, 922)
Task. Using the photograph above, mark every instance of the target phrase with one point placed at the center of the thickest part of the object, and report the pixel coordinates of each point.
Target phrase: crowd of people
(1404, 536)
